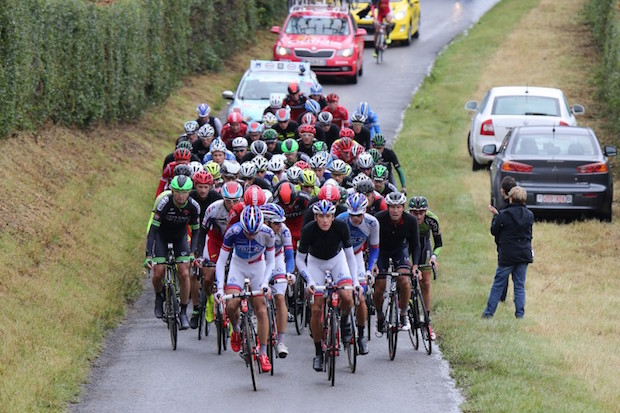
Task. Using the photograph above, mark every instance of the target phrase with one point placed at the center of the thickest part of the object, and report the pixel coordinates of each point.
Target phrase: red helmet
(182, 154)
(329, 192)
(346, 133)
(332, 97)
(254, 196)
(293, 87)
(308, 119)
(306, 128)
(345, 144)
(285, 193)
(235, 117)
(202, 177)
(303, 165)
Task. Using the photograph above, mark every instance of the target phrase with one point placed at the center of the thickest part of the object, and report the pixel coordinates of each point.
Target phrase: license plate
(315, 62)
(554, 199)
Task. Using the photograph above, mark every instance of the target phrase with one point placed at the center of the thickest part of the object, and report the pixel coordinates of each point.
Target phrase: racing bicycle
(418, 316)
(172, 304)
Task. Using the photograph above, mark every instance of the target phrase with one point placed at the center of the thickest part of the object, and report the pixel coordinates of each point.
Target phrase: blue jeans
(501, 281)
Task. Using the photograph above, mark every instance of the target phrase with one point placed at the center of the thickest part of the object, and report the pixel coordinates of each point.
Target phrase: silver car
(562, 168)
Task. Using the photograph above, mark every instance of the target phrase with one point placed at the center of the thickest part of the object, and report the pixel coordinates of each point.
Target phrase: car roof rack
(334, 5)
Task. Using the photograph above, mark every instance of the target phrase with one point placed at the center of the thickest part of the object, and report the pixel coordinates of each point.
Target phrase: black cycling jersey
(389, 159)
(305, 149)
(392, 237)
(331, 135)
(388, 188)
(309, 215)
(170, 222)
(212, 196)
(324, 244)
(363, 138)
(199, 149)
(249, 156)
(285, 133)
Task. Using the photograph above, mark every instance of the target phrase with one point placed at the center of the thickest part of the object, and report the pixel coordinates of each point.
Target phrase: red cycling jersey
(166, 177)
(228, 134)
(383, 9)
(340, 114)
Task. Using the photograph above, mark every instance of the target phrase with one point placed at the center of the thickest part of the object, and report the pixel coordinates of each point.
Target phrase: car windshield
(526, 105)
(318, 25)
(561, 145)
(261, 89)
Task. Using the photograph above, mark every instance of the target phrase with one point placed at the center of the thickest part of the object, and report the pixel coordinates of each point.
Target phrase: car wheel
(361, 71)
(469, 145)
(407, 41)
(475, 166)
(353, 79)
(605, 216)
(417, 32)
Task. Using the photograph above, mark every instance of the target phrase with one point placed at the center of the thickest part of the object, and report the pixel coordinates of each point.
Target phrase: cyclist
(362, 133)
(275, 103)
(326, 245)
(269, 120)
(294, 203)
(371, 119)
(389, 159)
(284, 267)
(340, 116)
(311, 106)
(306, 139)
(364, 230)
(399, 238)
(276, 167)
(376, 202)
(383, 13)
(257, 148)
(316, 93)
(204, 117)
(364, 165)
(214, 169)
(183, 144)
(218, 153)
(253, 258)
(308, 183)
(235, 128)
(239, 148)
(286, 128)
(295, 99)
(255, 129)
(318, 163)
(428, 224)
(230, 171)
(182, 156)
(330, 130)
(191, 130)
(247, 174)
(261, 168)
(202, 145)
(290, 149)
(344, 147)
(340, 171)
(270, 137)
(380, 180)
(170, 220)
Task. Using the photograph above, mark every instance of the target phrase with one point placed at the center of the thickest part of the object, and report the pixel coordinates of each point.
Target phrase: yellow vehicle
(406, 19)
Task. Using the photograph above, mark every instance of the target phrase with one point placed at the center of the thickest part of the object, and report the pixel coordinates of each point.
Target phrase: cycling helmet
(338, 167)
(240, 143)
(308, 178)
(332, 97)
(331, 181)
(395, 198)
(270, 135)
(217, 145)
(329, 192)
(345, 144)
(185, 144)
(364, 186)
(316, 89)
(347, 169)
(195, 166)
(317, 161)
(303, 165)
(191, 126)
(232, 190)
(251, 219)
(285, 193)
(306, 129)
(293, 174)
(357, 150)
(203, 110)
(258, 148)
(230, 168)
(325, 118)
(344, 194)
(181, 183)
(275, 100)
(365, 161)
(248, 170)
(376, 155)
(378, 140)
(202, 177)
(358, 117)
(358, 178)
(380, 172)
(308, 118)
(182, 170)
(261, 163)
(323, 207)
(357, 204)
(269, 120)
(235, 117)
(182, 154)
(418, 203)
(289, 146)
(363, 109)
(293, 87)
(254, 127)
(319, 146)
(214, 169)
(282, 115)
(206, 131)
(273, 212)
(312, 106)
(346, 133)
(254, 195)
(276, 164)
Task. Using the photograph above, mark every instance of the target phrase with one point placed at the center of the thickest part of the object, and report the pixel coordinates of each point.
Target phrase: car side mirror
(275, 29)
(578, 109)
(610, 150)
(361, 32)
(228, 94)
(489, 149)
(471, 105)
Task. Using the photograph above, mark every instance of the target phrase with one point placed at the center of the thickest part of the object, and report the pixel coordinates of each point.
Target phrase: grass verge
(565, 355)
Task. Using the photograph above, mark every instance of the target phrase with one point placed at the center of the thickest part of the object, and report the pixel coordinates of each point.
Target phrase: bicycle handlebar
(243, 294)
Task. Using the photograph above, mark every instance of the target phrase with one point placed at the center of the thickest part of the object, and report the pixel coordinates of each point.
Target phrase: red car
(326, 37)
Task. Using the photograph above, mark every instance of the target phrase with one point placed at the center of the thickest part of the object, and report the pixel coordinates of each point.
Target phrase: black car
(561, 167)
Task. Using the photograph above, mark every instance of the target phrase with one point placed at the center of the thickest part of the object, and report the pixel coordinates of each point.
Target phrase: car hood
(301, 40)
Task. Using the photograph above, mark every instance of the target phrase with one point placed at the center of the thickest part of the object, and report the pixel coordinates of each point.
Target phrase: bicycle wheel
(380, 46)
(171, 314)
(299, 305)
(333, 345)
(219, 326)
(273, 335)
(371, 311)
(392, 330)
(425, 326)
(248, 349)
(352, 345)
(413, 312)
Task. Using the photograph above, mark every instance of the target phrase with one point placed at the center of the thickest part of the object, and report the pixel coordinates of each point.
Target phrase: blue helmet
(251, 219)
(313, 106)
(357, 204)
(363, 109)
(323, 207)
(273, 212)
(203, 110)
(316, 89)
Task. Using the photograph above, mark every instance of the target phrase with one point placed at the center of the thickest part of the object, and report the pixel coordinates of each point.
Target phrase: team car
(263, 78)
(323, 35)
(406, 15)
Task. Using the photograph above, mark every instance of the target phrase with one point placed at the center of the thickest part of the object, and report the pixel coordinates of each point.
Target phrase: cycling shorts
(361, 270)
(425, 253)
(240, 269)
(279, 272)
(179, 243)
(213, 245)
(337, 265)
(400, 259)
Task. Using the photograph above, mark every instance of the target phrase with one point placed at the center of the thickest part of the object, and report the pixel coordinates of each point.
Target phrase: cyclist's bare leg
(232, 309)
(184, 281)
(194, 286)
(361, 312)
(346, 302)
(158, 276)
(263, 321)
(316, 322)
(404, 291)
(377, 297)
(425, 286)
(281, 313)
(208, 279)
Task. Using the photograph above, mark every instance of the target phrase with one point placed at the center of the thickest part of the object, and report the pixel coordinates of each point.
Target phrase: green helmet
(270, 135)
(185, 144)
(378, 140)
(319, 146)
(418, 202)
(376, 155)
(380, 172)
(289, 146)
(181, 183)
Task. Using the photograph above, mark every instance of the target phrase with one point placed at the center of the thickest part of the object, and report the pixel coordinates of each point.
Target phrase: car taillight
(512, 166)
(593, 168)
(562, 123)
(487, 128)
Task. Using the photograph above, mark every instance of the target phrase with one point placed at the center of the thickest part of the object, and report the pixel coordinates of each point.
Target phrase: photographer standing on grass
(512, 228)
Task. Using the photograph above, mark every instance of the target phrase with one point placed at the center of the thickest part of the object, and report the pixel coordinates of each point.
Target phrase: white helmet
(217, 145)
(248, 170)
(365, 161)
(206, 131)
(230, 168)
(261, 163)
(258, 147)
(269, 120)
(359, 178)
(195, 166)
(317, 161)
(275, 100)
(293, 174)
(276, 164)
(338, 166)
(240, 143)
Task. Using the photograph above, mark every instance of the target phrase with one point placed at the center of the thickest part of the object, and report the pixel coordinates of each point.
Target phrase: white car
(506, 107)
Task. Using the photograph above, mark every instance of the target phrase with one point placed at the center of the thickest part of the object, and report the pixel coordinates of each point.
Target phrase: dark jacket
(512, 229)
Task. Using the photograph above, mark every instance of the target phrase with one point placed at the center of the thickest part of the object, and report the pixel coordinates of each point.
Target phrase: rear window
(558, 145)
(526, 105)
(317, 25)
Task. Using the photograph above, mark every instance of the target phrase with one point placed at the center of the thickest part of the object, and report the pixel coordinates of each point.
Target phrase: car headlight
(399, 15)
(345, 52)
(282, 51)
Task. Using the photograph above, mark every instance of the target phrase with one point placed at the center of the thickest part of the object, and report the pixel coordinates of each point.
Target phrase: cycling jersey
(388, 188)
(363, 137)
(170, 158)
(228, 155)
(166, 176)
(214, 122)
(397, 238)
(212, 229)
(297, 107)
(212, 196)
(324, 244)
(429, 226)
(389, 159)
(331, 135)
(289, 132)
(345, 156)
(285, 258)
(228, 134)
(378, 204)
(340, 116)
(367, 233)
(300, 157)
(294, 213)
